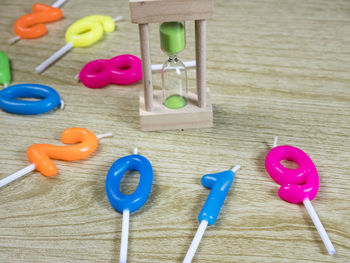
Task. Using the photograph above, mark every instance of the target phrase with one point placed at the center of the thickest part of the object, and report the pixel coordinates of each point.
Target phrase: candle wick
(108, 134)
(275, 141)
(118, 18)
(76, 77)
(62, 105)
(236, 168)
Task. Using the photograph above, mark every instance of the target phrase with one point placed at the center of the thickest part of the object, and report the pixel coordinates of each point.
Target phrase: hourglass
(175, 106)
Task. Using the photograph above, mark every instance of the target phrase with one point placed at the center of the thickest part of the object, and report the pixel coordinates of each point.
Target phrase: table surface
(273, 68)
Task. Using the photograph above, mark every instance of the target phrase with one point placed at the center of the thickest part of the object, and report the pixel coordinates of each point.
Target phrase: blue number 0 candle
(127, 204)
(49, 99)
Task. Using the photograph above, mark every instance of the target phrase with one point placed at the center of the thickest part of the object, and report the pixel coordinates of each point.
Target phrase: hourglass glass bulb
(174, 74)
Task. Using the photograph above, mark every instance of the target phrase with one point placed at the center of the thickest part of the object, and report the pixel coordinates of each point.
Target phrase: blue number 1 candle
(219, 184)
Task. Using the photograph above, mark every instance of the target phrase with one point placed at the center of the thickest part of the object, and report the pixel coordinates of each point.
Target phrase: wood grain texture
(155, 11)
(273, 68)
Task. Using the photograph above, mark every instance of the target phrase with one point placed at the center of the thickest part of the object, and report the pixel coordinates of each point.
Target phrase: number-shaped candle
(120, 70)
(49, 99)
(297, 185)
(127, 204)
(33, 25)
(5, 72)
(82, 33)
(40, 155)
(219, 184)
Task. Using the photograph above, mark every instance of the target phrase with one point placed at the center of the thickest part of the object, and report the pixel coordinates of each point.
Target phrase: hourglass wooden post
(197, 113)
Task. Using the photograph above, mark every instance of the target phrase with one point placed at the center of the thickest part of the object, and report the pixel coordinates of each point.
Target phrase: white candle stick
(57, 4)
(101, 136)
(235, 168)
(17, 175)
(195, 242)
(63, 50)
(125, 237)
(118, 18)
(13, 40)
(315, 219)
(188, 64)
(320, 229)
(62, 105)
(275, 141)
(31, 167)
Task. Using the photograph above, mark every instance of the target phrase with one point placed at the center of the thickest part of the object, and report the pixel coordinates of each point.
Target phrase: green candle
(172, 37)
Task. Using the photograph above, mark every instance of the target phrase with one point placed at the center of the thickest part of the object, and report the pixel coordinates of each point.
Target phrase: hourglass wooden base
(163, 118)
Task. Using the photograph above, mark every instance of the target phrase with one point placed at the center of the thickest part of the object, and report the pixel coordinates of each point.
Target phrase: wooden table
(274, 68)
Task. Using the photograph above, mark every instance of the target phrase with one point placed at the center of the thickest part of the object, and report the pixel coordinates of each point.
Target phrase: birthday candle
(127, 204)
(40, 154)
(11, 99)
(298, 185)
(32, 25)
(120, 70)
(82, 33)
(219, 184)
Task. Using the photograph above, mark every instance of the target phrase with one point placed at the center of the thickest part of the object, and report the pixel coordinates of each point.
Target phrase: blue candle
(127, 204)
(49, 99)
(219, 184)
(134, 201)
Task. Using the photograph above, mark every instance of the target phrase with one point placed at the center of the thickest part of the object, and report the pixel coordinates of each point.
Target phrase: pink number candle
(297, 185)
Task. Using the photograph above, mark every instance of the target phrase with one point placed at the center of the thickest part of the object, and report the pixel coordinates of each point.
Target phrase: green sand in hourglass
(174, 75)
(175, 102)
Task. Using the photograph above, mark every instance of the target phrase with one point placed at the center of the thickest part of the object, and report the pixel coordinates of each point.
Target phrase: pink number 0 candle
(297, 185)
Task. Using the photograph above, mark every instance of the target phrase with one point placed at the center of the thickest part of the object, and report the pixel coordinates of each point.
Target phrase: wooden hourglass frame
(198, 112)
